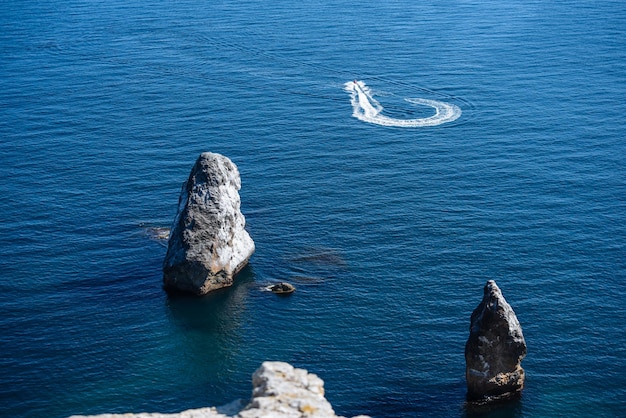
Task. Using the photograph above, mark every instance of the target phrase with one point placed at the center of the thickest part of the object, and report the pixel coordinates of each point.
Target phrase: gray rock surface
(494, 349)
(208, 244)
(279, 391)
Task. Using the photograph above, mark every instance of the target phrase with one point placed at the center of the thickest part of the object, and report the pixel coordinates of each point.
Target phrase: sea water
(389, 226)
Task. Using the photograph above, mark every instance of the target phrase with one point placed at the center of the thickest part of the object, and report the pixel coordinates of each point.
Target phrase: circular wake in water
(367, 109)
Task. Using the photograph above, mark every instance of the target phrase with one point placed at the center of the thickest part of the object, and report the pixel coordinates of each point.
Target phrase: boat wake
(367, 109)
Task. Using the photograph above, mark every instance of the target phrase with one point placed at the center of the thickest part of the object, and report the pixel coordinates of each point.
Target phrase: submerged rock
(158, 233)
(208, 244)
(494, 349)
(278, 391)
(321, 256)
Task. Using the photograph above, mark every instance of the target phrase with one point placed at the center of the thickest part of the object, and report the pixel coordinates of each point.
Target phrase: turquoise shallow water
(388, 232)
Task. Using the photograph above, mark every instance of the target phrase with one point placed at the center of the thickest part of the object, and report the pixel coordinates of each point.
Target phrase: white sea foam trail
(367, 109)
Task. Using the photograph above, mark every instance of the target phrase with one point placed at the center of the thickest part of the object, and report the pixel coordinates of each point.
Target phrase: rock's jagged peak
(214, 170)
(494, 303)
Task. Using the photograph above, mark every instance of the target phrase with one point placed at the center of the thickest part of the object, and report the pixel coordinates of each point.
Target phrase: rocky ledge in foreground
(279, 391)
(208, 244)
(494, 349)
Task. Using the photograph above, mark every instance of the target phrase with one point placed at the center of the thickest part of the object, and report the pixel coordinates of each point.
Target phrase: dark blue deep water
(388, 232)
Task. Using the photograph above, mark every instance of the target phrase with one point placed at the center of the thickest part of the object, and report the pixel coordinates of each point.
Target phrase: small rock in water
(281, 288)
(494, 349)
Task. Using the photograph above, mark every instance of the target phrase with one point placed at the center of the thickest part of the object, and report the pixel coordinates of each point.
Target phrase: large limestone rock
(494, 349)
(279, 391)
(208, 244)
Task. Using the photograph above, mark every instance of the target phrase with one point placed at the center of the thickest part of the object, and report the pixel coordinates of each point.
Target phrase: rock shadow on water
(206, 337)
(405, 397)
(217, 312)
(509, 407)
(439, 400)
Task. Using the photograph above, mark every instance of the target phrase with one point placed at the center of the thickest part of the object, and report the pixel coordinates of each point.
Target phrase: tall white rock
(208, 242)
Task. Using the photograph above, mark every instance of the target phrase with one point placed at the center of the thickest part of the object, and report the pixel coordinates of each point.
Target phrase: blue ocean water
(389, 232)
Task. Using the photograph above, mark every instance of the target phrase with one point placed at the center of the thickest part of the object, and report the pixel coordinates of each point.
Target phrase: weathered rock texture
(494, 349)
(208, 244)
(279, 391)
